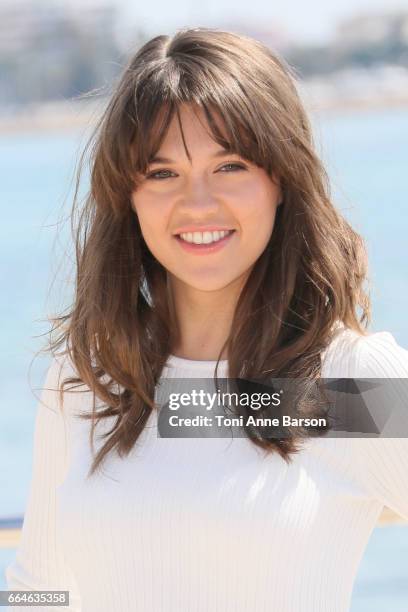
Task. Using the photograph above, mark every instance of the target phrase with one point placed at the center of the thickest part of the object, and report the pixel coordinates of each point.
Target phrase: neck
(203, 319)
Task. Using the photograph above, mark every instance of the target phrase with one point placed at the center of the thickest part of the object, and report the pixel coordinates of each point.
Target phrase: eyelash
(154, 174)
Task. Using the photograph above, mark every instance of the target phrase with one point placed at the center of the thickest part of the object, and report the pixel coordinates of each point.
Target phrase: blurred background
(58, 62)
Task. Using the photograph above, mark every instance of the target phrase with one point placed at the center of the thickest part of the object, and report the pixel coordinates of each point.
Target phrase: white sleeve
(383, 461)
(39, 562)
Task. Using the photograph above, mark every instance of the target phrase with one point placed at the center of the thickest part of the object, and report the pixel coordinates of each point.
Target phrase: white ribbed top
(212, 524)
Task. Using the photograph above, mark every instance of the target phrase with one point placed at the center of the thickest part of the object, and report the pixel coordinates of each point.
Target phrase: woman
(208, 246)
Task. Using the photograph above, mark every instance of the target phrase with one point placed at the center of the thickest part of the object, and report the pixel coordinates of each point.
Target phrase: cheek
(154, 221)
(152, 217)
(257, 211)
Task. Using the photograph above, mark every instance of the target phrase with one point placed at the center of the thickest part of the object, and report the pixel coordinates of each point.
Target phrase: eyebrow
(167, 160)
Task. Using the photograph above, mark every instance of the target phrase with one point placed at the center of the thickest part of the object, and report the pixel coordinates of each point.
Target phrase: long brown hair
(118, 331)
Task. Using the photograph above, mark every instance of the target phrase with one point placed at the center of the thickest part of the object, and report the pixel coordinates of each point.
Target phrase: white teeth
(204, 237)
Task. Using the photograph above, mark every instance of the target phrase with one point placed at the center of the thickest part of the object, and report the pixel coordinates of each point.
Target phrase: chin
(210, 284)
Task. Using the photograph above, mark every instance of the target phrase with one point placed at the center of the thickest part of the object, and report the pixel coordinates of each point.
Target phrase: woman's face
(183, 204)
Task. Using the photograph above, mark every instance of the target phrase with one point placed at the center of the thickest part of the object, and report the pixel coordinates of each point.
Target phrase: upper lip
(209, 228)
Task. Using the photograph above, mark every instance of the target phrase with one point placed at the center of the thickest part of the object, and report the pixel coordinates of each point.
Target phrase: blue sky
(307, 20)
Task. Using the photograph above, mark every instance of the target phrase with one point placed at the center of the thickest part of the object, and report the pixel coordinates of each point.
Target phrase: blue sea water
(367, 160)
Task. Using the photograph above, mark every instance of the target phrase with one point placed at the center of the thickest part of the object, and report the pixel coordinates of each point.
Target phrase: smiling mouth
(204, 238)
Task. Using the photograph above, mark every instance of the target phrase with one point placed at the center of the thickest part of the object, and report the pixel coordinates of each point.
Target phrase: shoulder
(61, 407)
(60, 368)
(375, 355)
(64, 399)
(379, 463)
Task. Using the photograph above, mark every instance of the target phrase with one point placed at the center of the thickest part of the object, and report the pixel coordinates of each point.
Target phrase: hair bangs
(227, 118)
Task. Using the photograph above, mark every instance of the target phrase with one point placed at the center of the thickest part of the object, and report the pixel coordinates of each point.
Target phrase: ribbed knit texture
(208, 525)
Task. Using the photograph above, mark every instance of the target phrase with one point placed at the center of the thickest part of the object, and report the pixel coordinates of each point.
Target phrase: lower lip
(205, 249)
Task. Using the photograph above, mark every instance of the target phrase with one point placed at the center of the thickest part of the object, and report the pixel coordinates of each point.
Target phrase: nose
(198, 198)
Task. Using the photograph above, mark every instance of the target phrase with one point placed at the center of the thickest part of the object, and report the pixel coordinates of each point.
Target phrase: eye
(231, 167)
(160, 174)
